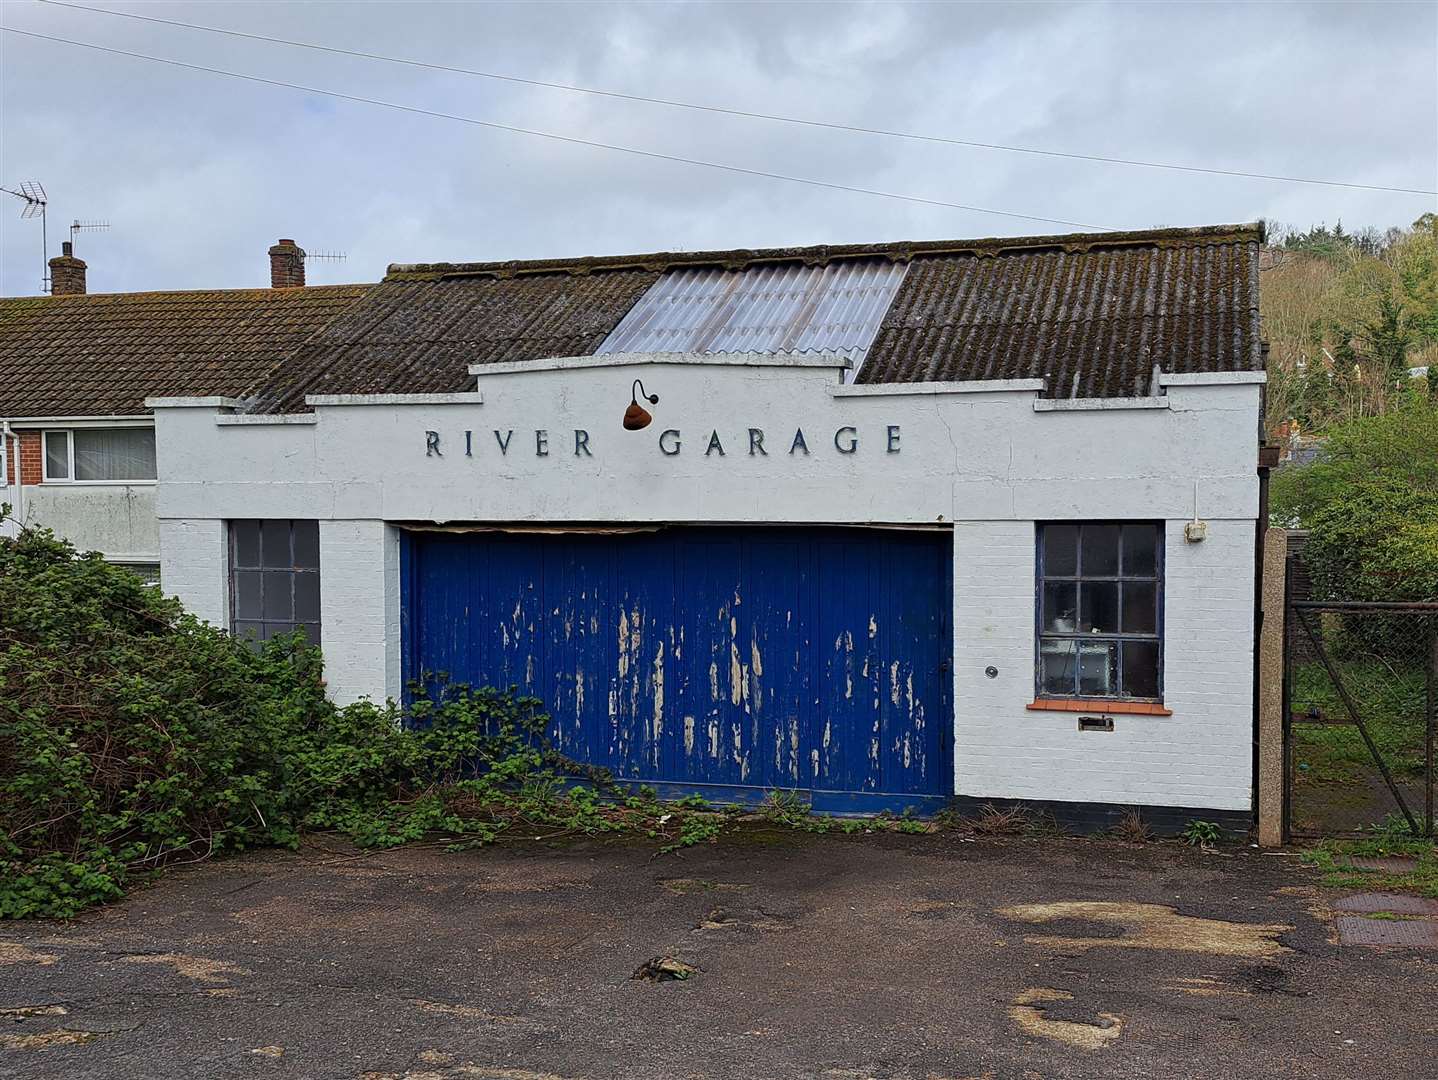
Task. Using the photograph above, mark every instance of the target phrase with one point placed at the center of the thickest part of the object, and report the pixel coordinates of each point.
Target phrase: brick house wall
(31, 459)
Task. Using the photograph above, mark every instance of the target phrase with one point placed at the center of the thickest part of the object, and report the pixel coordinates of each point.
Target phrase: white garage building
(883, 524)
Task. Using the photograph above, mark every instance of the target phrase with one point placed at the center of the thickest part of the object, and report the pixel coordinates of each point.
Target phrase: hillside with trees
(1348, 316)
(1352, 321)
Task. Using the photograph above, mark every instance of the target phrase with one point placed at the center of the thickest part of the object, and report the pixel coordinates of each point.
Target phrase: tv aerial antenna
(78, 226)
(324, 256)
(33, 192)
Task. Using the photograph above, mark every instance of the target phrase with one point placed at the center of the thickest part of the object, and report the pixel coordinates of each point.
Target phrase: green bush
(1376, 542)
(133, 736)
(1396, 450)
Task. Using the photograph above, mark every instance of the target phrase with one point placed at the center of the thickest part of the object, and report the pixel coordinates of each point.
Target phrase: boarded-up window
(274, 579)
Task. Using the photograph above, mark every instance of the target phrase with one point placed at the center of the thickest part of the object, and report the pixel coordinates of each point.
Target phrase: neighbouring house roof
(103, 354)
(1092, 314)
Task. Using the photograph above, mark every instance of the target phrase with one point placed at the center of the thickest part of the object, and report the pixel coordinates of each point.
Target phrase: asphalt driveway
(817, 956)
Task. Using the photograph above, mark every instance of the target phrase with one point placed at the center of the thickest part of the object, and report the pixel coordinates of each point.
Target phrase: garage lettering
(847, 440)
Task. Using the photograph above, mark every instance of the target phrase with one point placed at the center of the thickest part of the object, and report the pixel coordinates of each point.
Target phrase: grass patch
(1390, 699)
(1391, 839)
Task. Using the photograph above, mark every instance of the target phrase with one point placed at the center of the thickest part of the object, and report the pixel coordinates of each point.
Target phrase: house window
(274, 579)
(1100, 604)
(149, 573)
(100, 455)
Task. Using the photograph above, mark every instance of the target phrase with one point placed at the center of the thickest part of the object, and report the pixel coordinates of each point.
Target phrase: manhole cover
(1397, 903)
(1413, 933)
(1390, 864)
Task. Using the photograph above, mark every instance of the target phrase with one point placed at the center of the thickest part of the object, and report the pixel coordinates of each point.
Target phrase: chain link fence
(1361, 692)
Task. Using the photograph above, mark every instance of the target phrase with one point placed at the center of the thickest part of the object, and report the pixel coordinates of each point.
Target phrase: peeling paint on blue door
(720, 660)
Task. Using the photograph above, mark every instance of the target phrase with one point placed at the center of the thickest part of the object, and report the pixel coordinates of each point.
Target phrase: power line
(653, 154)
(727, 111)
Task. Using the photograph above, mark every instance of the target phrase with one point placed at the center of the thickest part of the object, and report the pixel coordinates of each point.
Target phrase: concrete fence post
(1270, 690)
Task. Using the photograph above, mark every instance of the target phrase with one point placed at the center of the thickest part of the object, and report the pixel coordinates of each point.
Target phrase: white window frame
(45, 477)
(69, 433)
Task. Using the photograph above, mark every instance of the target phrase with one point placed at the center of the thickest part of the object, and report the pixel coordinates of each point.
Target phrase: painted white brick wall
(194, 565)
(359, 609)
(990, 461)
(1201, 756)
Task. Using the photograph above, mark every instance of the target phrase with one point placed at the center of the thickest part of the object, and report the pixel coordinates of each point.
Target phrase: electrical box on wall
(1195, 531)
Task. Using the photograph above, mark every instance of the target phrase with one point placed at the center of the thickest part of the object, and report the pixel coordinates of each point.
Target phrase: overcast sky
(199, 174)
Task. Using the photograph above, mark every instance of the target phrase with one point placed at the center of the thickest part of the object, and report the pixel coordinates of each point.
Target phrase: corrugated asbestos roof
(103, 354)
(835, 308)
(1093, 322)
(418, 337)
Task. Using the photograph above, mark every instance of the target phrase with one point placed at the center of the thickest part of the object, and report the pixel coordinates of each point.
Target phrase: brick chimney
(67, 273)
(287, 266)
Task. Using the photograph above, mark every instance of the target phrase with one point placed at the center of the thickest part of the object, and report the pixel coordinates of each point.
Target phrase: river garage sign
(846, 440)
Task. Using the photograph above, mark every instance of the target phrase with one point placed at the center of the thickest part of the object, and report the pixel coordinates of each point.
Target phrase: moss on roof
(102, 354)
(903, 250)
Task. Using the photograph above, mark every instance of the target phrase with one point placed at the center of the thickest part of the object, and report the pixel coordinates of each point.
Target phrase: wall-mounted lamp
(637, 416)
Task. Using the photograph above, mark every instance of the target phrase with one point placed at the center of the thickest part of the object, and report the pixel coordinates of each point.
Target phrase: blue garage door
(718, 660)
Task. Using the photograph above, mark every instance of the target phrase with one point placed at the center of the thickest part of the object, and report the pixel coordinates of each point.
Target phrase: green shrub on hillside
(1398, 449)
(1378, 542)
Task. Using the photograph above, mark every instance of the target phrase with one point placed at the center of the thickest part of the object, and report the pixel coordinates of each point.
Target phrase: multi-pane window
(274, 578)
(149, 573)
(1100, 603)
(100, 455)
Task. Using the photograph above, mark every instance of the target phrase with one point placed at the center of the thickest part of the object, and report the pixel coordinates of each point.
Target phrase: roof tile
(103, 354)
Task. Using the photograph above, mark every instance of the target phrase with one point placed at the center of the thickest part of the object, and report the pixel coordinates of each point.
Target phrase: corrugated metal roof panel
(835, 308)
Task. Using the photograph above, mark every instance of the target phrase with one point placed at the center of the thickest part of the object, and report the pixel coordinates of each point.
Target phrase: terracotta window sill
(1139, 708)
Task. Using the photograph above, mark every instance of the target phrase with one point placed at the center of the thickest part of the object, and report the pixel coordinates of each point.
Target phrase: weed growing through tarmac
(1390, 839)
(1202, 833)
(1131, 828)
